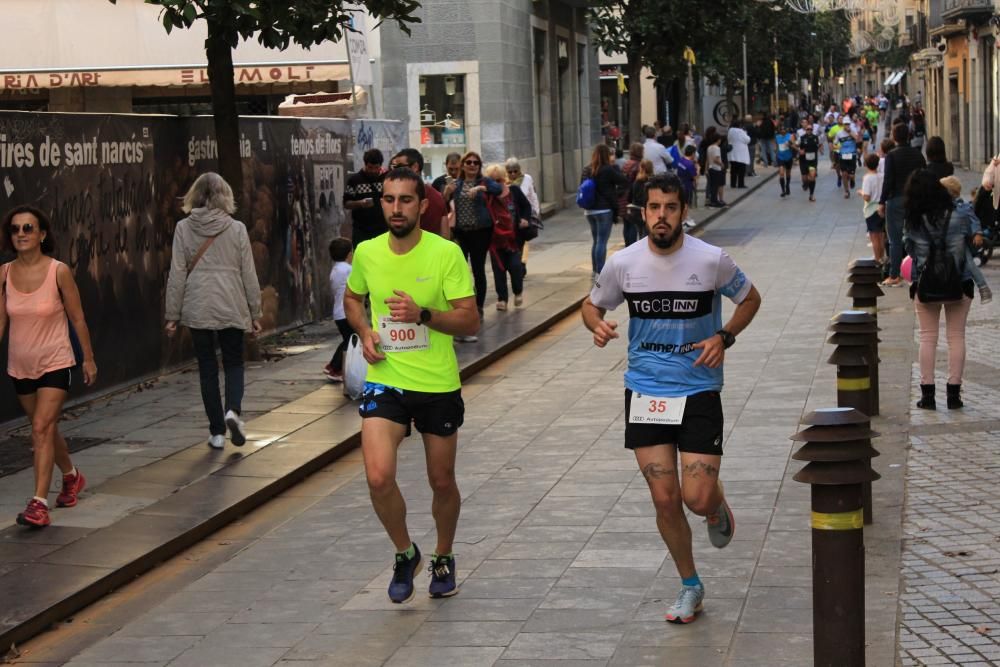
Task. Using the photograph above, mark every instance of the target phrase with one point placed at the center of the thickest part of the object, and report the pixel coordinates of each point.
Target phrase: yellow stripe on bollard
(853, 384)
(854, 520)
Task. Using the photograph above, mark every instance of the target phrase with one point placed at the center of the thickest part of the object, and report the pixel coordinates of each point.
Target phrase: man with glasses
(432, 219)
(362, 197)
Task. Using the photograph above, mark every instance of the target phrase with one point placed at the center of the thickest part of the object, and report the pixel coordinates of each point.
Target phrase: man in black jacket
(900, 162)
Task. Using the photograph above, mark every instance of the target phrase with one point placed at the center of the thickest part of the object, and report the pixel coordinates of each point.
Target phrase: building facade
(511, 78)
(958, 70)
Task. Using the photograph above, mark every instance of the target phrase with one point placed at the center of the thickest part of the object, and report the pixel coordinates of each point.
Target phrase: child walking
(954, 188)
(341, 252)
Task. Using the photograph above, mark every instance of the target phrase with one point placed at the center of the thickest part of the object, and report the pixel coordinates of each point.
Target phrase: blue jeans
(504, 262)
(231, 342)
(894, 213)
(769, 151)
(600, 231)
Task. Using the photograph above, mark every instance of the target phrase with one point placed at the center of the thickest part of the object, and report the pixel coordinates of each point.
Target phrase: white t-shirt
(714, 152)
(871, 186)
(338, 283)
(656, 153)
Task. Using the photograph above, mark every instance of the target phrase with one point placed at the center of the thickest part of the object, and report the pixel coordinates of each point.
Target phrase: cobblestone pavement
(950, 605)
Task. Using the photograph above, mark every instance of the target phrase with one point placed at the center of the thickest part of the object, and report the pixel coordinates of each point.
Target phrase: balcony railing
(960, 9)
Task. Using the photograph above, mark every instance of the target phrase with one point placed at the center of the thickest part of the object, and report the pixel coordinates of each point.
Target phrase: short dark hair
(872, 160)
(373, 156)
(935, 149)
(452, 157)
(412, 156)
(666, 183)
(44, 225)
(401, 174)
(340, 248)
(901, 134)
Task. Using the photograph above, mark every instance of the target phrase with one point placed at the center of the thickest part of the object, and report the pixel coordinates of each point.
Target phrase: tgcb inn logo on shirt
(670, 305)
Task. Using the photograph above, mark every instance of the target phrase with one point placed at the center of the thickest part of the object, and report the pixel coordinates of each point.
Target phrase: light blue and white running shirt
(674, 301)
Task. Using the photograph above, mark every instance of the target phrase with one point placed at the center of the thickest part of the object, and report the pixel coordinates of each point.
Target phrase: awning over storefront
(69, 43)
(894, 78)
(257, 74)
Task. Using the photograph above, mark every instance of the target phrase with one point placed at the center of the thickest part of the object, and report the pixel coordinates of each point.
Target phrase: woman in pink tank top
(37, 298)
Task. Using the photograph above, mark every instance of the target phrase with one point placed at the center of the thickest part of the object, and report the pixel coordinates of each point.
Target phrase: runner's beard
(668, 240)
(404, 231)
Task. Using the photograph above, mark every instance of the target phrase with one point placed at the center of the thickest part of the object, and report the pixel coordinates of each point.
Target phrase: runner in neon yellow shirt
(421, 295)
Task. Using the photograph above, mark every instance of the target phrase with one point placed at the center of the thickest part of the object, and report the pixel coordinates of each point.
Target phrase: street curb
(73, 601)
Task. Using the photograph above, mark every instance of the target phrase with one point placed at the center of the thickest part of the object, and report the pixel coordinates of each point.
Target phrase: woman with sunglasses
(473, 223)
(37, 297)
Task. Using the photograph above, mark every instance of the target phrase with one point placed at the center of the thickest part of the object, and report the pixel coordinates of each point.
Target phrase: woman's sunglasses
(473, 163)
(27, 228)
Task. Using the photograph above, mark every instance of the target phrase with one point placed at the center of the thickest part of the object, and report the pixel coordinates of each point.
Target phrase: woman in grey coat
(213, 290)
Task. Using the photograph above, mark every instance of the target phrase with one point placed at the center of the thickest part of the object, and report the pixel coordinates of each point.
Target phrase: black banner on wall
(113, 186)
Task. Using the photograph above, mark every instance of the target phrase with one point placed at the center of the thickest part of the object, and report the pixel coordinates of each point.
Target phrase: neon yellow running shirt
(433, 273)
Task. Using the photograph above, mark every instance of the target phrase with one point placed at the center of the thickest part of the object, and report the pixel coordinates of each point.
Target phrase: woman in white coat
(739, 155)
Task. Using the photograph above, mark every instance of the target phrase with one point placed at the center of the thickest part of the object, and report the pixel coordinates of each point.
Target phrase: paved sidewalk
(558, 553)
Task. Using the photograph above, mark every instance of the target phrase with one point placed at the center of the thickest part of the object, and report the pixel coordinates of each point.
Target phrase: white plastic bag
(355, 368)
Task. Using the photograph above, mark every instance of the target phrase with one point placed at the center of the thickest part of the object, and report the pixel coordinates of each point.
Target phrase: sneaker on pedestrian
(687, 605)
(470, 339)
(217, 441)
(721, 525)
(235, 426)
(442, 571)
(501, 305)
(403, 571)
(335, 377)
(72, 485)
(985, 294)
(518, 300)
(35, 515)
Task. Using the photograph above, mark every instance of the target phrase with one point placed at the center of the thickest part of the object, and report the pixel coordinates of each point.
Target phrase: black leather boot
(927, 401)
(954, 396)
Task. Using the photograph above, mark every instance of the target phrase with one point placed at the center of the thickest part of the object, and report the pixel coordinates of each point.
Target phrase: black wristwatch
(425, 315)
(727, 338)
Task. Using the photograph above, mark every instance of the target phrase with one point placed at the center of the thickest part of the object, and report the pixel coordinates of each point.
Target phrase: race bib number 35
(645, 409)
(401, 336)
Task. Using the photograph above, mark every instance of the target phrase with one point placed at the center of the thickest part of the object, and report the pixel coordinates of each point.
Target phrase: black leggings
(337, 360)
(475, 244)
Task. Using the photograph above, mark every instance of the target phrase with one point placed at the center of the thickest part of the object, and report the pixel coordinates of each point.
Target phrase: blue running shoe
(401, 586)
(443, 577)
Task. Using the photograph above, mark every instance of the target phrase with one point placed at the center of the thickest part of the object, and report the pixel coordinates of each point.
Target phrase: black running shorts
(848, 166)
(787, 164)
(434, 413)
(59, 379)
(700, 431)
(806, 165)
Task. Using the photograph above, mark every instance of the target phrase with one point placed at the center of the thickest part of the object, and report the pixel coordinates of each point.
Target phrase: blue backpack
(586, 194)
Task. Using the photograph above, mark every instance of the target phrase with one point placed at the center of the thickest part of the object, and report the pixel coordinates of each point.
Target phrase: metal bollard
(864, 276)
(856, 337)
(837, 443)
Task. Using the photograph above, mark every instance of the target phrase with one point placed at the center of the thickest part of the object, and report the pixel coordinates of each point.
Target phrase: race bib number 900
(645, 409)
(401, 336)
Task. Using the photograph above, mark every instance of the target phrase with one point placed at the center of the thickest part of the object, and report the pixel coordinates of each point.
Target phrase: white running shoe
(235, 426)
(217, 442)
(687, 605)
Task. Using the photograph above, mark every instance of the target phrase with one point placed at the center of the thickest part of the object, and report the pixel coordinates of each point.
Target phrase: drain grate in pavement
(729, 237)
(16, 454)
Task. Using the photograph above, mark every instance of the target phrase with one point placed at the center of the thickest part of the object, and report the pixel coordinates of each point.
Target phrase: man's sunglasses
(27, 228)
(473, 163)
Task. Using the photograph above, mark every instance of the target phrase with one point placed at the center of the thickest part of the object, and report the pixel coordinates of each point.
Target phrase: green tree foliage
(275, 24)
(654, 33)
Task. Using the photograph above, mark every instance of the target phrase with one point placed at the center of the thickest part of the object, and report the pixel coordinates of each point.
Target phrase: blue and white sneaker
(687, 605)
(442, 577)
(401, 586)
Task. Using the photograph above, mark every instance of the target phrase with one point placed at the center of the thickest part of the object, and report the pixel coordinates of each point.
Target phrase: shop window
(442, 119)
